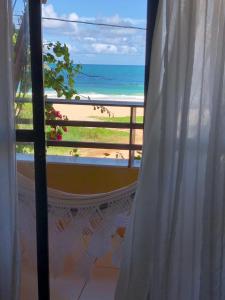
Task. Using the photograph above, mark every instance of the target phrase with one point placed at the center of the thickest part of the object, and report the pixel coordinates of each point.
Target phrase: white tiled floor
(101, 286)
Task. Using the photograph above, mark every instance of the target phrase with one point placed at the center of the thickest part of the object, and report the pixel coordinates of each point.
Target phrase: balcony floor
(101, 286)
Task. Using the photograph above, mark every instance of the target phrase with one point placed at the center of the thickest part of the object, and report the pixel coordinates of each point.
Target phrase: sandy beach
(87, 113)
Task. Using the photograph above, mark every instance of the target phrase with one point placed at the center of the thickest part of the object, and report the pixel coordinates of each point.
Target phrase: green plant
(59, 75)
(74, 152)
(103, 109)
(138, 156)
(120, 155)
(59, 70)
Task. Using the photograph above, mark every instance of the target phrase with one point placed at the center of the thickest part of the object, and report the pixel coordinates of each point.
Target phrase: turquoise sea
(111, 80)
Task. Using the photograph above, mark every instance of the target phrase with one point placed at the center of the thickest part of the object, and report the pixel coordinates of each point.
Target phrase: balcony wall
(83, 179)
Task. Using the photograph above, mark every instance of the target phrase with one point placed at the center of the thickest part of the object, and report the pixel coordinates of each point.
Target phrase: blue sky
(94, 44)
(93, 8)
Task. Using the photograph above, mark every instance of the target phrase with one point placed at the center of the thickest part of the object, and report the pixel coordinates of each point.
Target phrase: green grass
(26, 111)
(79, 134)
(95, 135)
(139, 119)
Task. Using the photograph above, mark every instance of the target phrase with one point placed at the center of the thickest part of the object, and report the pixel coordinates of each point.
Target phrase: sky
(98, 44)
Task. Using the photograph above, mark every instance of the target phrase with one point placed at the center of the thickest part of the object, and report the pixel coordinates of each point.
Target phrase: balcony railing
(132, 125)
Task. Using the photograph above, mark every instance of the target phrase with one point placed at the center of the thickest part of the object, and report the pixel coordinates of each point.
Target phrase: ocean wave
(95, 96)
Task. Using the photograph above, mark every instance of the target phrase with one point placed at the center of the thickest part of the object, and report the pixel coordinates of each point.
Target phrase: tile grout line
(85, 284)
(106, 267)
(82, 290)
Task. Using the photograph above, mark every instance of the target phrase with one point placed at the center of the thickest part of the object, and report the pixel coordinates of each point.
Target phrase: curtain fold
(9, 288)
(174, 247)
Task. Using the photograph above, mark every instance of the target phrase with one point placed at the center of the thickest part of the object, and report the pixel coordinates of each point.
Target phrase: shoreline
(96, 96)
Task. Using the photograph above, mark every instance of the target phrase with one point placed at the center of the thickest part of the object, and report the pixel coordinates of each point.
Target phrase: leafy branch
(59, 74)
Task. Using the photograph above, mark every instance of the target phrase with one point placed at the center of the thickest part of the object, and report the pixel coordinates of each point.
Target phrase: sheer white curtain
(8, 234)
(175, 247)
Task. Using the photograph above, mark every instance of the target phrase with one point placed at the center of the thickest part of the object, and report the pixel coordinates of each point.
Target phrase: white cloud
(48, 11)
(117, 20)
(128, 50)
(104, 48)
(71, 48)
(113, 49)
(73, 17)
(90, 39)
(93, 40)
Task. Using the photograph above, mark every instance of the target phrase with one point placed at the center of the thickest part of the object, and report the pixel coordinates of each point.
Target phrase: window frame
(37, 134)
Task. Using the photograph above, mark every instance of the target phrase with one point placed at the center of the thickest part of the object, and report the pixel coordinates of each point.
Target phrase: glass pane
(85, 61)
(105, 63)
(110, 58)
(22, 66)
(27, 221)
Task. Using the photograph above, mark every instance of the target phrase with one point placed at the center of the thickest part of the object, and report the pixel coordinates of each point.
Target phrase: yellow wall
(81, 179)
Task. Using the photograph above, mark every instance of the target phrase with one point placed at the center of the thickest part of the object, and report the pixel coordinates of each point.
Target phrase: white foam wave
(94, 96)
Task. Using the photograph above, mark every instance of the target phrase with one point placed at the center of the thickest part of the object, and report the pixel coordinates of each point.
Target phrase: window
(30, 113)
(94, 71)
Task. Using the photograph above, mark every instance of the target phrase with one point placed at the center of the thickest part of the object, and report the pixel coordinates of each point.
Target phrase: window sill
(87, 161)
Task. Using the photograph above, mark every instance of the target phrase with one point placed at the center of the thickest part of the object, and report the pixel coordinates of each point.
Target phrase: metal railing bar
(24, 135)
(116, 125)
(94, 124)
(72, 144)
(97, 102)
(87, 102)
(132, 135)
(22, 121)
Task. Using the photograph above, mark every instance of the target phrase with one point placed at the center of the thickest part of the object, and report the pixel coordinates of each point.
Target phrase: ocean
(115, 82)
